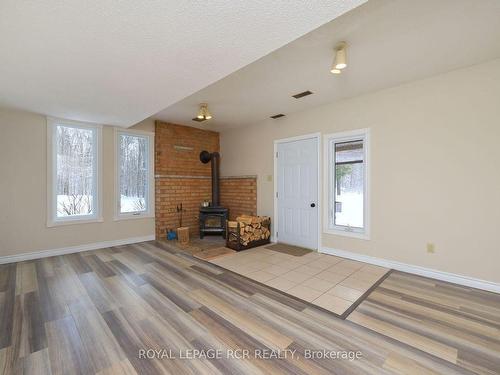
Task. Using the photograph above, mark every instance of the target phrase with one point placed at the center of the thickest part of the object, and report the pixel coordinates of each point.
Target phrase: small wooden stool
(183, 235)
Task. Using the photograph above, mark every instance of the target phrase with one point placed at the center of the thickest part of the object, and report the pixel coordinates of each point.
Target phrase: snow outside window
(134, 150)
(74, 178)
(347, 183)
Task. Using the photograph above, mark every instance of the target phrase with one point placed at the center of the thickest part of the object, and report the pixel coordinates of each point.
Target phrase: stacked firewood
(251, 228)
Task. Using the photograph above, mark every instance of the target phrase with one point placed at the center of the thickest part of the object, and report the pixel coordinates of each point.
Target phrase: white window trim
(328, 183)
(150, 212)
(52, 219)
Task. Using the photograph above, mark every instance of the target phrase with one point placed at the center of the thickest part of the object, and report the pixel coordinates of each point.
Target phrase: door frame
(319, 202)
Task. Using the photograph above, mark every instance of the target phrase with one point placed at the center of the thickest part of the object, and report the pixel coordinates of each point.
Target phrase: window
(74, 149)
(347, 171)
(134, 177)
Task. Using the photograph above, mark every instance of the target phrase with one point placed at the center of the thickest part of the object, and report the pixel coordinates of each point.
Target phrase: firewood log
(244, 219)
(256, 219)
(252, 228)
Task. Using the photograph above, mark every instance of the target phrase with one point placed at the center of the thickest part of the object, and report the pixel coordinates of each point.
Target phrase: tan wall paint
(23, 187)
(147, 125)
(435, 160)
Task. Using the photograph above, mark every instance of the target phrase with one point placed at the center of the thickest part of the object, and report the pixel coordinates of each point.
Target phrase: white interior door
(297, 194)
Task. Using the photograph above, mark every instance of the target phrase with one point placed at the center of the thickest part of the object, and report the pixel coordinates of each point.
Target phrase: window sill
(133, 217)
(61, 223)
(344, 233)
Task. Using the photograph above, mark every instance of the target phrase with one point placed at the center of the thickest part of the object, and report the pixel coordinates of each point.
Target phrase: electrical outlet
(431, 249)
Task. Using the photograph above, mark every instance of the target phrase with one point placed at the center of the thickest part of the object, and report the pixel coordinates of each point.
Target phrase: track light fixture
(203, 113)
(340, 59)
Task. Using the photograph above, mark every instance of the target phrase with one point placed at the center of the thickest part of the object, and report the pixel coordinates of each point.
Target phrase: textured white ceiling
(390, 42)
(119, 61)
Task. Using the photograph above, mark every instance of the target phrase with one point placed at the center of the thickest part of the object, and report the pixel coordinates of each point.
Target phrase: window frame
(52, 219)
(329, 183)
(150, 196)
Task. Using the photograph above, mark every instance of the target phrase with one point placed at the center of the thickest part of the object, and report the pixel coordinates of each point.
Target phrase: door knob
(313, 204)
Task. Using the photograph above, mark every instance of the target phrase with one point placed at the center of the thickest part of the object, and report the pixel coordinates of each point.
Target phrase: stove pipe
(213, 158)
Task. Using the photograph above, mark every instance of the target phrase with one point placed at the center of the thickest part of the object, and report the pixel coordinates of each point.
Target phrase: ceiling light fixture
(340, 60)
(203, 113)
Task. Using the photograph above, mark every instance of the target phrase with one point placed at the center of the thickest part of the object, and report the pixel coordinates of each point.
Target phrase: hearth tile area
(332, 283)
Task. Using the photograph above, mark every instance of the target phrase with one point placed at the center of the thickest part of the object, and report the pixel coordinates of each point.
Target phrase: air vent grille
(278, 116)
(302, 94)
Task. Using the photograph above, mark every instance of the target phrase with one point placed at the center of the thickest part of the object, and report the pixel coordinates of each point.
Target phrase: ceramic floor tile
(297, 260)
(357, 284)
(218, 261)
(277, 259)
(276, 269)
(332, 303)
(340, 269)
(303, 292)
(380, 271)
(346, 293)
(261, 276)
(319, 264)
(365, 276)
(331, 282)
(290, 264)
(281, 283)
(308, 270)
(331, 277)
(352, 264)
(230, 268)
(302, 260)
(331, 259)
(295, 276)
(311, 256)
(228, 259)
(263, 250)
(256, 266)
(236, 260)
(251, 259)
(372, 267)
(318, 284)
(243, 272)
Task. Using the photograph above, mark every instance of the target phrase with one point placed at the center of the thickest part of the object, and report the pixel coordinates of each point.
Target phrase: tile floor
(327, 281)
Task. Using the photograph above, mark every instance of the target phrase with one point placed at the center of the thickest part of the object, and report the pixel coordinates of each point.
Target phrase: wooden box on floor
(183, 235)
(247, 232)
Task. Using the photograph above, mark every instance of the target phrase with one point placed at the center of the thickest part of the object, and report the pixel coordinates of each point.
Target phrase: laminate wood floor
(94, 312)
(458, 324)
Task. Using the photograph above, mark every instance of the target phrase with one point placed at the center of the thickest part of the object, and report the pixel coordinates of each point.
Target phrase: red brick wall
(239, 194)
(178, 149)
(172, 191)
(180, 177)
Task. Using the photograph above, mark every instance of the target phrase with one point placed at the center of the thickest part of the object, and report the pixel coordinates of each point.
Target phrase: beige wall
(435, 167)
(23, 187)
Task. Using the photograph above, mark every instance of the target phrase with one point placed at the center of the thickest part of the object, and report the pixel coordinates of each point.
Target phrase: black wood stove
(213, 218)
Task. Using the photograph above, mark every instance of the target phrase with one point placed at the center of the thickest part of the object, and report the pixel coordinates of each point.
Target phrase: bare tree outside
(75, 171)
(133, 162)
(349, 183)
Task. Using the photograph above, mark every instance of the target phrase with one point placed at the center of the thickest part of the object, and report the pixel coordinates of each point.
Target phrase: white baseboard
(417, 270)
(73, 249)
